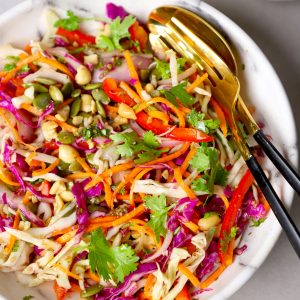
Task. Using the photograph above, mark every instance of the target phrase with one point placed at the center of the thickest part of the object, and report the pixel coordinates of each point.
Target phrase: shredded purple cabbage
(5, 222)
(49, 109)
(37, 250)
(207, 265)
(240, 250)
(113, 293)
(113, 11)
(251, 210)
(95, 191)
(82, 212)
(30, 216)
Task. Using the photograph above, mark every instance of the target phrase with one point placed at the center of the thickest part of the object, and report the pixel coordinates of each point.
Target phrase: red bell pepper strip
(60, 292)
(231, 216)
(46, 186)
(118, 95)
(180, 134)
(184, 294)
(139, 34)
(76, 36)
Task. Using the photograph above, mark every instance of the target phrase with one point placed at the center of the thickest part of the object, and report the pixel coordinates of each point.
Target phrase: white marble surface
(273, 25)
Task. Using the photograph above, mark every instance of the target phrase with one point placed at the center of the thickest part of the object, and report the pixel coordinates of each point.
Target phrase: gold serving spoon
(193, 38)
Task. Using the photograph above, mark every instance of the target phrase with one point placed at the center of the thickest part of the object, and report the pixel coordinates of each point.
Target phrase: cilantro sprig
(159, 211)
(71, 22)
(227, 238)
(131, 144)
(110, 262)
(162, 68)
(206, 160)
(196, 120)
(118, 30)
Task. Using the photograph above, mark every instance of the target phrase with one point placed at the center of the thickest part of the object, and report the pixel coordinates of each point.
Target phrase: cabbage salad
(120, 177)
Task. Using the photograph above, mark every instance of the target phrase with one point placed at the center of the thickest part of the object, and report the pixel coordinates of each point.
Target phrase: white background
(275, 27)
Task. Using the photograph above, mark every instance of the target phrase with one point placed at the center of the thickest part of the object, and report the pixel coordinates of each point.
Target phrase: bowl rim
(215, 14)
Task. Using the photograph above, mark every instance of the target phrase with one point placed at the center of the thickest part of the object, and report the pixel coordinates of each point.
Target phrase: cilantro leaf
(256, 223)
(70, 23)
(206, 160)
(100, 256)
(162, 69)
(200, 161)
(150, 139)
(159, 211)
(221, 175)
(110, 262)
(28, 297)
(124, 261)
(196, 120)
(104, 42)
(185, 98)
(200, 185)
(227, 238)
(132, 144)
(119, 30)
(9, 67)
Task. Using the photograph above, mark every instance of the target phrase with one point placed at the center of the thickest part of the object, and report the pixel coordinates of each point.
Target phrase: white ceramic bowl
(260, 86)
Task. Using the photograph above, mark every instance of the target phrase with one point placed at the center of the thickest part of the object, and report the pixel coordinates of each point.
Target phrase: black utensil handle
(277, 206)
(278, 160)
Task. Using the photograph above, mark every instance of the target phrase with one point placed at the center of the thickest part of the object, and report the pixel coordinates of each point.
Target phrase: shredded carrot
(56, 65)
(213, 277)
(147, 230)
(65, 126)
(133, 73)
(93, 276)
(185, 163)
(134, 213)
(67, 272)
(66, 237)
(19, 65)
(132, 94)
(12, 238)
(221, 116)
(47, 170)
(185, 187)
(170, 157)
(138, 177)
(151, 279)
(108, 195)
(178, 113)
(81, 175)
(15, 132)
(128, 178)
(229, 254)
(84, 164)
(4, 176)
(225, 200)
(138, 221)
(197, 82)
(192, 226)
(26, 197)
(27, 48)
(108, 173)
(102, 219)
(263, 201)
(186, 272)
(63, 231)
(156, 114)
(31, 109)
(64, 103)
